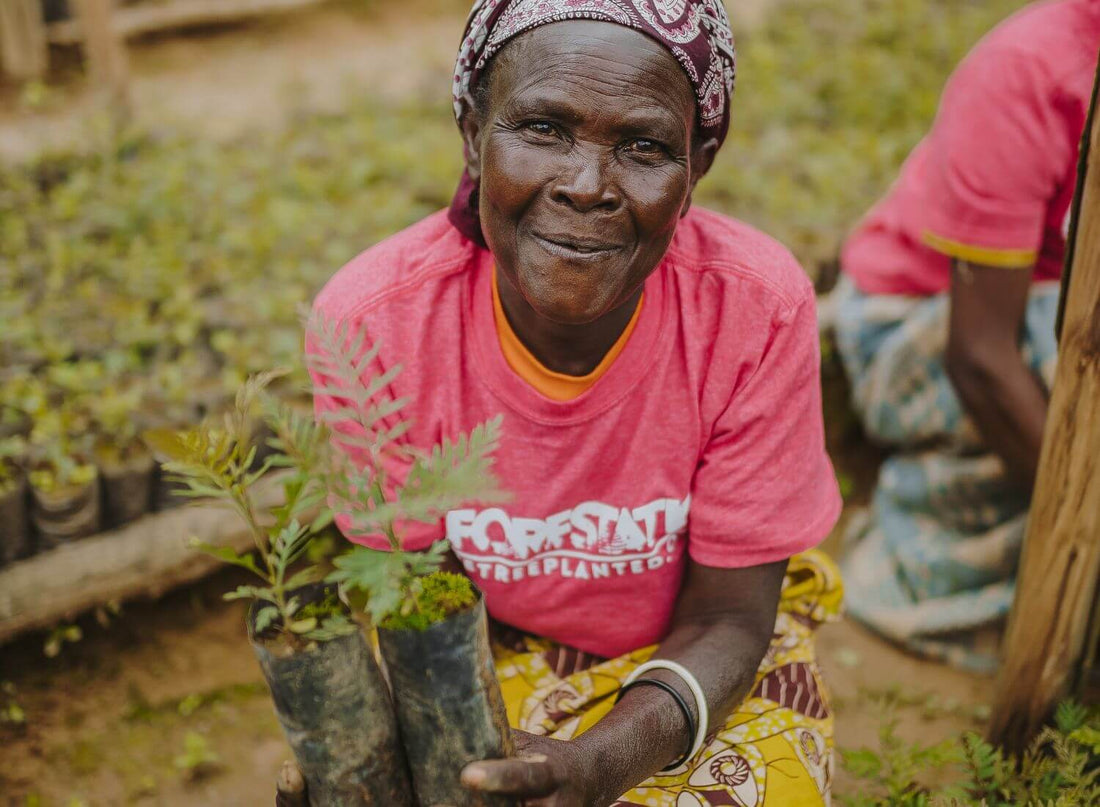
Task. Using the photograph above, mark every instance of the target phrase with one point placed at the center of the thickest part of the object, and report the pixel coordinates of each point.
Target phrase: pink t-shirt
(704, 435)
(993, 181)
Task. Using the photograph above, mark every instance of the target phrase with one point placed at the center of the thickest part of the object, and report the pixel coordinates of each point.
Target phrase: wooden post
(23, 52)
(1056, 587)
(105, 52)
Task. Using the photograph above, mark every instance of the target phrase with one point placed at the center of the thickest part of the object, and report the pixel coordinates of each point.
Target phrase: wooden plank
(1057, 583)
(23, 50)
(134, 21)
(105, 52)
(143, 559)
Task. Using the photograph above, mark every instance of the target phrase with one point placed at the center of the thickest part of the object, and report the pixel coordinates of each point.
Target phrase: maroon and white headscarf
(696, 32)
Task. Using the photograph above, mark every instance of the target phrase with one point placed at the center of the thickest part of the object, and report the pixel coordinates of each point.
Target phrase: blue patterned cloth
(932, 563)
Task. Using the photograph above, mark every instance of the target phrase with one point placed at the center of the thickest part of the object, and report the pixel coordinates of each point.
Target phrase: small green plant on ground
(402, 587)
(198, 758)
(11, 713)
(59, 637)
(1059, 769)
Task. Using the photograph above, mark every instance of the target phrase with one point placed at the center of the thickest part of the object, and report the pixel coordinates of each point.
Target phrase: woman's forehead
(598, 58)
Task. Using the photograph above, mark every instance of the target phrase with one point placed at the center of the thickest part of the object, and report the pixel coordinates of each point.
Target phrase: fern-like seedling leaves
(250, 593)
(264, 617)
(862, 763)
(341, 359)
(454, 474)
(228, 555)
(303, 578)
(332, 627)
(380, 574)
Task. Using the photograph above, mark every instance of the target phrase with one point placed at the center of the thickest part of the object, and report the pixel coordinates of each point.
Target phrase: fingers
(530, 776)
(290, 787)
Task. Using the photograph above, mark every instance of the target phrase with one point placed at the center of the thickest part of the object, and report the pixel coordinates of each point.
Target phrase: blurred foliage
(1060, 768)
(153, 273)
(831, 97)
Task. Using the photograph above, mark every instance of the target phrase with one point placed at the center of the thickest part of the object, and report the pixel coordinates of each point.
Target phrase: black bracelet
(676, 696)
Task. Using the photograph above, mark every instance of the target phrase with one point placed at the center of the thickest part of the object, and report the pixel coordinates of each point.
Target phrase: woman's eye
(645, 146)
(540, 127)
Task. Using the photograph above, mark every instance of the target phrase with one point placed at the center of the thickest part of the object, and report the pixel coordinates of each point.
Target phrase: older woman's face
(584, 155)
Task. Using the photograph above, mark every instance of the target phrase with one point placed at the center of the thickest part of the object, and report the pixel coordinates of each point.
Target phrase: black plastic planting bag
(337, 715)
(65, 515)
(15, 530)
(449, 705)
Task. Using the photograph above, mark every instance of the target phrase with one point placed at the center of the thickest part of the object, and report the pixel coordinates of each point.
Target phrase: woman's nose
(586, 186)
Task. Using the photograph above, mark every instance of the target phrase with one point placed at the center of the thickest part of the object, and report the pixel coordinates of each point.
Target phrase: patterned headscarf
(696, 32)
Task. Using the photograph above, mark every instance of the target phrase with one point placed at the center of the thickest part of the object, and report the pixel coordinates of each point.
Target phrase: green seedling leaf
(321, 522)
(250, 592)
(228, 555)
(303, 577)
(265, 617)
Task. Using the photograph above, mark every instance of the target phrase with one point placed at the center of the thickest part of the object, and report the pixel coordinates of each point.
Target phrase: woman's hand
(543, 773)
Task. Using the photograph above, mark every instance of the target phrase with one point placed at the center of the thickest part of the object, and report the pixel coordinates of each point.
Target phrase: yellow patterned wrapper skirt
(775, 750)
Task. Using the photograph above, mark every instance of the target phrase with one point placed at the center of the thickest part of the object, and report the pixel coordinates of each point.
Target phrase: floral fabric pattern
(775, 750)
(932, 563)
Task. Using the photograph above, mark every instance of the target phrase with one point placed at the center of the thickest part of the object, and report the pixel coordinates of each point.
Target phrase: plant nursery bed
(145, 558)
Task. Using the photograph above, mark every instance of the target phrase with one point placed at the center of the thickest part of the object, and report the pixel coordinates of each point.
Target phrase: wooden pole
(1056, 587)
(108, 67)
(23, 51)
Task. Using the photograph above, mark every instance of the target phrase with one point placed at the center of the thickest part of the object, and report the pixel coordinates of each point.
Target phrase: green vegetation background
(151, 273)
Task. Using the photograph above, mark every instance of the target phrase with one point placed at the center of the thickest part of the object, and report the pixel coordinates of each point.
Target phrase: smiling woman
(653, 578)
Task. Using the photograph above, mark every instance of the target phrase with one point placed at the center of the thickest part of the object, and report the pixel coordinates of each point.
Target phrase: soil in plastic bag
(336, 712)
(449, 705)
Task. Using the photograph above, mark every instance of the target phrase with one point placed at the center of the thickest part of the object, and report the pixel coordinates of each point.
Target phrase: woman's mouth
(574, 248)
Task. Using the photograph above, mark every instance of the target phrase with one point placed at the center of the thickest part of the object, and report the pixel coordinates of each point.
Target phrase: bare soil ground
(108, 719)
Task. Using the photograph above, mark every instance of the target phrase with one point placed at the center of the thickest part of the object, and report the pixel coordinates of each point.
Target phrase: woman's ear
(702, 158)
(471, 125)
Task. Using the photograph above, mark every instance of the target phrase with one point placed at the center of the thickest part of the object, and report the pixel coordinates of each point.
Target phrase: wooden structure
(23, 53)
(104, 52)
(102, 27)
(141, 19)
(142, 559)
(1048, 635)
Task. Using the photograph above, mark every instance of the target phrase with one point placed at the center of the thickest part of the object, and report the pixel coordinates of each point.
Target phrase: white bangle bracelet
(692, 684)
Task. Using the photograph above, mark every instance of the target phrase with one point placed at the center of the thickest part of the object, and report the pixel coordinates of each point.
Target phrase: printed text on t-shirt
(589, 541)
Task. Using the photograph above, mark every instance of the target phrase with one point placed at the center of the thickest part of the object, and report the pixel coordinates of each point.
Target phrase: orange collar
(556, 386)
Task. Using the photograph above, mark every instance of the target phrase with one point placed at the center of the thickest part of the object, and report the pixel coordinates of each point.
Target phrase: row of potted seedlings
(77, 467)
(357, 739)
(53, 494)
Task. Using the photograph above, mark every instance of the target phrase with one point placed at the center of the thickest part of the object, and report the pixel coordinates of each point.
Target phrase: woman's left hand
(543, 773)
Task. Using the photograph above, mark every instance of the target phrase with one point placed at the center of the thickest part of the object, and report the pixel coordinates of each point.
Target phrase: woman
(945, 323)
(657, 369)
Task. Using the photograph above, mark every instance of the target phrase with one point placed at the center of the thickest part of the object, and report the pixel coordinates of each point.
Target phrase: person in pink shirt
(657, 370)
(945, 322)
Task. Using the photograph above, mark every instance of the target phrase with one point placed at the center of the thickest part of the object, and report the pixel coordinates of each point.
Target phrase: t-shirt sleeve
(995, 157)
(346, 437)
(764, 489)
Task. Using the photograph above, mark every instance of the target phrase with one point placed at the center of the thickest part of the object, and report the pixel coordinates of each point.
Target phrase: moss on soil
(441, 594)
